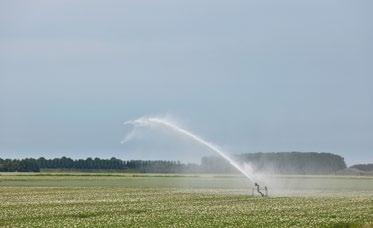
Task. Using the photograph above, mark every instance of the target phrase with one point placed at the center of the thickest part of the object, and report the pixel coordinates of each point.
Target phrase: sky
(250, 76)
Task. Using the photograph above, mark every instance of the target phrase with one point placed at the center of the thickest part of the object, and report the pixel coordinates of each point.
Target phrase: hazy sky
(263, 75)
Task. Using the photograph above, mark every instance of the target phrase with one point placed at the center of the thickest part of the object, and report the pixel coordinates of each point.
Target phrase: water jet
(160, 122)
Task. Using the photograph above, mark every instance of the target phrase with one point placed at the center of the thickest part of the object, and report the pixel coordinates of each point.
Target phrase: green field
(124, 200)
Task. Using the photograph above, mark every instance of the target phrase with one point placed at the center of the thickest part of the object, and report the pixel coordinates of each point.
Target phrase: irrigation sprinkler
(259, 190)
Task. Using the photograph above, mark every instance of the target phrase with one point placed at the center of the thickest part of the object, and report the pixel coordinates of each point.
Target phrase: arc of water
(162, 122)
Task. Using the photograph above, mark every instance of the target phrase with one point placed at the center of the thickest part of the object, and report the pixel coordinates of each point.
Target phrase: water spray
(151, 121)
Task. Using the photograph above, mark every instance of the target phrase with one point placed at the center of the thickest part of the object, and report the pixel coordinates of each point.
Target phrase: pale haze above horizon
(250, 76)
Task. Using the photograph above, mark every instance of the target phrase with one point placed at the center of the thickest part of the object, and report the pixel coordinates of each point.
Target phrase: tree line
(282, 163)
(364, 167)
(64, 163)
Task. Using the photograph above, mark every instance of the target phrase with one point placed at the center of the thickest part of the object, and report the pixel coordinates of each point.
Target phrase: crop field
(138, 200)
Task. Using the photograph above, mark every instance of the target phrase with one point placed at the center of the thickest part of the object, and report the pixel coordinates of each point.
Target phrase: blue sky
(248, 75)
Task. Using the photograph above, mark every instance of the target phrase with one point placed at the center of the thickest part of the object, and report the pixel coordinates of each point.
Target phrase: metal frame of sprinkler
(259, 190)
